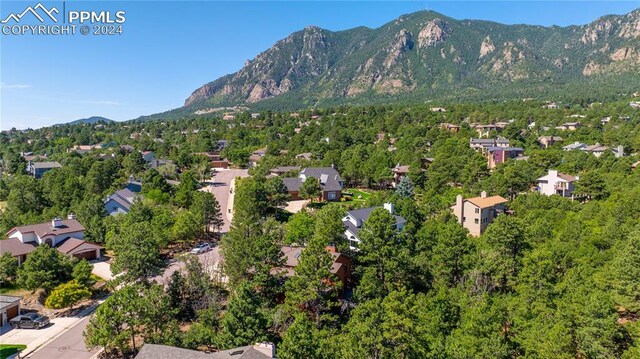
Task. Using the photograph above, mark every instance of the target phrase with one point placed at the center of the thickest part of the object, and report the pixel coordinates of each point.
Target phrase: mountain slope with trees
(426, 55)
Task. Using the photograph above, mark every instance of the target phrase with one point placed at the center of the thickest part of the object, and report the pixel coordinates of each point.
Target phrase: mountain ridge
(427, 54)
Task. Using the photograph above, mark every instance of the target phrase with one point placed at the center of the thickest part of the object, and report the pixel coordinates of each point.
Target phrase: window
(464, 219)
(475, 221)
(331, 195)
(477, 210)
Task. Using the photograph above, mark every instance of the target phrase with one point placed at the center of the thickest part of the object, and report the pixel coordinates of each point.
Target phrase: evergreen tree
(244, 321)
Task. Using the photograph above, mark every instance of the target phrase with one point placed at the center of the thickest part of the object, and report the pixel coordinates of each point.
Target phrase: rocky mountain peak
(434, 32)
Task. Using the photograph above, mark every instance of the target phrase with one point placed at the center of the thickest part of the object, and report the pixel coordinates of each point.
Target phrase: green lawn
(7, 350)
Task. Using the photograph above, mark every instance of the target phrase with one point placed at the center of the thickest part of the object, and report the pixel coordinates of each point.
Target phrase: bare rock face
(205, 92)
(596, 31)
(624, 53)
(402, 43)
(486, 47)
(631, 29)
(433, 33)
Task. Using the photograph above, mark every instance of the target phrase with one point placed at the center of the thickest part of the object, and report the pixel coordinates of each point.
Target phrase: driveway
(102, 269)
(296, 206)
(220, 186)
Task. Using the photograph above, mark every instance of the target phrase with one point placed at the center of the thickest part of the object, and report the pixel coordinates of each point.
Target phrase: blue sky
(169, 48)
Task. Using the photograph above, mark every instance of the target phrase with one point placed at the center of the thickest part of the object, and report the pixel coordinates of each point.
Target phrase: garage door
(12, 312)
(89, 255)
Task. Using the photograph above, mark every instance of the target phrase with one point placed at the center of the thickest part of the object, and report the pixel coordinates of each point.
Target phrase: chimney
(331, 248)
(389, 207)
(266, 348)
(483, 194)
(458, 210)
(71, 216)
(132, 179)
(56, 222)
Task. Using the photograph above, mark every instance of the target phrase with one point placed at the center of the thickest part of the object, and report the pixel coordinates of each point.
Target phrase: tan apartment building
(475, 214)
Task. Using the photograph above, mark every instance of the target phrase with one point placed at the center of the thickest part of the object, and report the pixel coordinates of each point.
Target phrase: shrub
(66, 295)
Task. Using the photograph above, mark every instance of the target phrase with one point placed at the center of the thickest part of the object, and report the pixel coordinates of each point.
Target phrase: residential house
(82, 149)
(148, 156)
(569, 126)
(558, 183)
(551, 105)
(355, 219)
(485, 130)
(450, 127)
(634, 104)
(438, 109)
(264, 350)
(498, 155)
(330, 183)
(482, 144)
(475, 214)
(635, 165)
(281, 170)
(399, 172)
(120, 202)
(30, 157)
(605, 120)
(127, 148)
(157, 163)
(548, 141)
(9, 308)
(64, 235)
(38, 169)
(596, 150)
(256, 156)
(574, 146)
(305, 156)
(215, 159)
(341, 266)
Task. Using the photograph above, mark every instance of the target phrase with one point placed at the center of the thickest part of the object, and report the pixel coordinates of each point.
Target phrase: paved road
(69, 345)
(220, 189)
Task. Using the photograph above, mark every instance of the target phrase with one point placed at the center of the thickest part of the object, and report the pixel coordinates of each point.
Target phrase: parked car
(29, 321)
(201, 248)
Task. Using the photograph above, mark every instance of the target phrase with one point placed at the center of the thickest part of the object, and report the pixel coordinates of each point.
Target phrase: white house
(67, 236)
(558, 183)
(354, 220)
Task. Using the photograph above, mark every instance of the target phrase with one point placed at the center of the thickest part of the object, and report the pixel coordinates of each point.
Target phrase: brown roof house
(546, 141)
(64, 235)
(341, 266)
(475, 214)
(558, 183)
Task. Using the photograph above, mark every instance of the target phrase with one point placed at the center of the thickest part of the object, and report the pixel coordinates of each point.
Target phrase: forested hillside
(425, 56)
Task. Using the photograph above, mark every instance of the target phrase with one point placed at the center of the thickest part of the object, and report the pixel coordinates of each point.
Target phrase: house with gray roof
(355, 219)
(38, 169)
(120, 202)
(330, 182)
(263, 350)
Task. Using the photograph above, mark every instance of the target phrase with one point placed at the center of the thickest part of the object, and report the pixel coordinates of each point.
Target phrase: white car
(201, 248)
